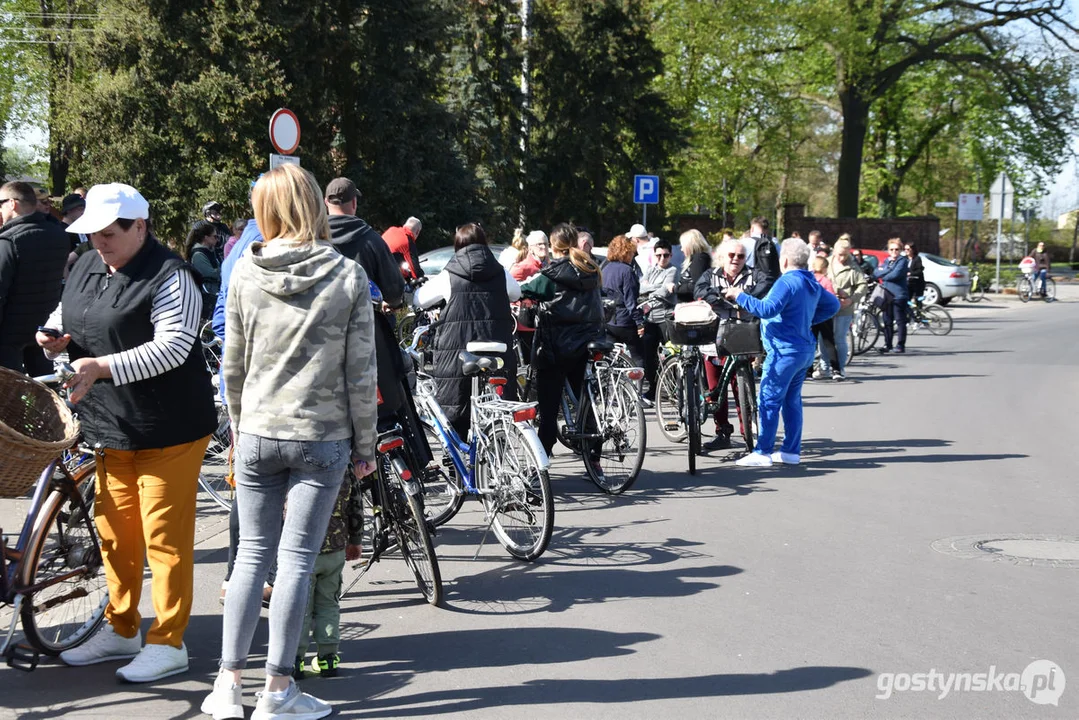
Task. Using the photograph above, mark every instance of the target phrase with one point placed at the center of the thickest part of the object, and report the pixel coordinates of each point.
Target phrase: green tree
(599, 118)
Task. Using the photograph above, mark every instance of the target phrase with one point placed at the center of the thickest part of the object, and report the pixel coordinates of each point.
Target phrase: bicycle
(1027, 282)
(865, 327)
(682, 406)
(53, 576)
(502, 463)
(394, 498)
(606, 425)
(214, 472)
(931, 317)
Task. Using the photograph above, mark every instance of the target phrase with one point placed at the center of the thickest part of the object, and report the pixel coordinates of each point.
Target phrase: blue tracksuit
(795, 303)
(250, 235)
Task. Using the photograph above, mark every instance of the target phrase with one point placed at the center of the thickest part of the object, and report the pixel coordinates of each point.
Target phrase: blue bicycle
(503, 462)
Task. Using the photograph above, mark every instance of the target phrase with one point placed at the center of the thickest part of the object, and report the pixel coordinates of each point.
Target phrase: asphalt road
(743, 593)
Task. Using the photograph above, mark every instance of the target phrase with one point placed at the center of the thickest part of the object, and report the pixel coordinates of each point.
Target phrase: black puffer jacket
(478, 309)
(572, 311)
(33, 252)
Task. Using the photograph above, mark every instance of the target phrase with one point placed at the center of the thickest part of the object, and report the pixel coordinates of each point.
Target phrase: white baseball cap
(105, 204)
(637, 231)
(536, 237)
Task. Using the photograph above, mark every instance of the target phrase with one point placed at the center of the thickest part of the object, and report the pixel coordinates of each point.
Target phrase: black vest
(41, 248)
(106, 315)
(478, 310)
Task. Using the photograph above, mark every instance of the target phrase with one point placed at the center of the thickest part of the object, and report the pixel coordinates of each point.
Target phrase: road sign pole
(1000, 222)
(644, 215)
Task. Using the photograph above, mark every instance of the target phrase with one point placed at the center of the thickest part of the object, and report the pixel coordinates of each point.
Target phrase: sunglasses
(663, 255)
(894, 249)
(736, 256)
(5, 201)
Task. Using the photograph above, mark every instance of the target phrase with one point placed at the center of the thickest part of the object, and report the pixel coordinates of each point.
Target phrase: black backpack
(765, 267)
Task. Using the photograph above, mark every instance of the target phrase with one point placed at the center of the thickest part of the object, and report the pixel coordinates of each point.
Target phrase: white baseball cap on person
(637, 231)
(536, 237)
(105, 204)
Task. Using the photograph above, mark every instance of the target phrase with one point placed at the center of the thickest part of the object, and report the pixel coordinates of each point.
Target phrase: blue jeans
(781, 393)
(842, 325)
(1042, 276)
(308, 474)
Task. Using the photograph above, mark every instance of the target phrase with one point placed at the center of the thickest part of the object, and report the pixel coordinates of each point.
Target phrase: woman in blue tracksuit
(893, 273)
(792, 306)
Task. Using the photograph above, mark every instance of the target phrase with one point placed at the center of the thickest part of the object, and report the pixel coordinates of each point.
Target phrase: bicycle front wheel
(516, 492)
(669, 393)
(747, 405)
(413, 536)
(1024, 288)
(215, 465)
(443, 493)
(621, 424)
(693, 416)
(937, 319)
(866, 332)
(1050, 289)
(63, 562)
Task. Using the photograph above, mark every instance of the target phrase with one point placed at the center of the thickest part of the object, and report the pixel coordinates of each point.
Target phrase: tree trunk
(855, 124)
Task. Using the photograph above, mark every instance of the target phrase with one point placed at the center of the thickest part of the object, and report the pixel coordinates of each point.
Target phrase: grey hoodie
(300, 360)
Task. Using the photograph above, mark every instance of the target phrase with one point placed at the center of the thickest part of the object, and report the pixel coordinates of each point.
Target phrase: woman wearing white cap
(129, 319)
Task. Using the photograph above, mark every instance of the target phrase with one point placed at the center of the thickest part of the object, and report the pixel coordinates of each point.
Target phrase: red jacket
(401, 241)
(525, 269)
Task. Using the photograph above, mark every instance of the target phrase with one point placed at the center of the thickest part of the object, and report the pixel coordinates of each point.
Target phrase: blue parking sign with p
(646, 189)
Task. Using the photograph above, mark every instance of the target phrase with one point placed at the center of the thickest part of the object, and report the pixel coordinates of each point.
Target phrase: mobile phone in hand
(51, 332)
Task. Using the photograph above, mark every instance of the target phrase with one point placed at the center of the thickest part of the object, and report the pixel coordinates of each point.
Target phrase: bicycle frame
(487, 408)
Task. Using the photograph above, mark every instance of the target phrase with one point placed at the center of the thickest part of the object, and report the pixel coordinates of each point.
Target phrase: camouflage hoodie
(299, 363)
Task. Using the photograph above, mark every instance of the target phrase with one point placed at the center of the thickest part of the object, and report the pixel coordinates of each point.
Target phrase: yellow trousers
(145, 511)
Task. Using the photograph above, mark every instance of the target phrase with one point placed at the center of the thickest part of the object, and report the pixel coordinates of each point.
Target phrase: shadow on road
(540, 692)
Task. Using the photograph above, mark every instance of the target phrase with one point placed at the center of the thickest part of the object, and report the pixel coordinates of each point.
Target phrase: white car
(433, 261)
(944, 279)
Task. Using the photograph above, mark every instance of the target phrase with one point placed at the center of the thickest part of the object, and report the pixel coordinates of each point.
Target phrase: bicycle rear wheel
(443, 493)
(621, 451)
(516, 492)
(215, 465)
(747, 405)
(937, 319)
(413, 537)
(63, 554)
(693, 416)
(669, 393)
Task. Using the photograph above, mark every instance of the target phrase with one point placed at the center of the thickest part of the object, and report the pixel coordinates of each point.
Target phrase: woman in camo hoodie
(300, 375)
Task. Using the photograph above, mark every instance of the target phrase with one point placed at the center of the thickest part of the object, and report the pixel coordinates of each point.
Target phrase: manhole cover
(1060, 551)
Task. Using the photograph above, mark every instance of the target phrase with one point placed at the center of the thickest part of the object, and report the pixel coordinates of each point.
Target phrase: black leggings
(550, 377)
(895, 311)
(629, 336)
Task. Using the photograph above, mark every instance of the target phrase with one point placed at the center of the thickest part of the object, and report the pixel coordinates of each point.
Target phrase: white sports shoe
(153, 663)
(786, 458)
(292, 704)
(754, 459)
(226, 702)
(103, 646)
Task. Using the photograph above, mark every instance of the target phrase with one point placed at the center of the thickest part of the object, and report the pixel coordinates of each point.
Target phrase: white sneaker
(783, 458)
(153, 663)
(291, 704)
(818, 374)
(754, 459)
(103, 646)
(226, 702)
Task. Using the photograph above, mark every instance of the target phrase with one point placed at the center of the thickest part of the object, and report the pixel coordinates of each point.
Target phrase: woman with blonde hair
(572, 317)
(850, 285)
(516, 251)
(299, 370)
(698, 259)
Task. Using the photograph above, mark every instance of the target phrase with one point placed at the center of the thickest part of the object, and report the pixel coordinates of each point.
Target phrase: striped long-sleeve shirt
(175, 312)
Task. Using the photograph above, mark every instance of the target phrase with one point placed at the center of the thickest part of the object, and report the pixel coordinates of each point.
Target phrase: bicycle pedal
(22, 657)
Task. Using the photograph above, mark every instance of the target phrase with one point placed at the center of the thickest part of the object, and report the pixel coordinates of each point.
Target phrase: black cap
(341, 190)
(71, 202)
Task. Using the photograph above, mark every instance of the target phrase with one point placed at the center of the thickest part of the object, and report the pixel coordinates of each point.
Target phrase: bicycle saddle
(601, 346)
(472, 364)
(483, 348)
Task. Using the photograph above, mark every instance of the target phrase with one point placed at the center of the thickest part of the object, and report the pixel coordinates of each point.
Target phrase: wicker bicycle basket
(36, 427)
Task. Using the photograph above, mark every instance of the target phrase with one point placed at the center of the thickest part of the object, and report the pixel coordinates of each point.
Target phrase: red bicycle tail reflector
(524, 415)
(497, 381)
(635, 374)
(391, 444)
